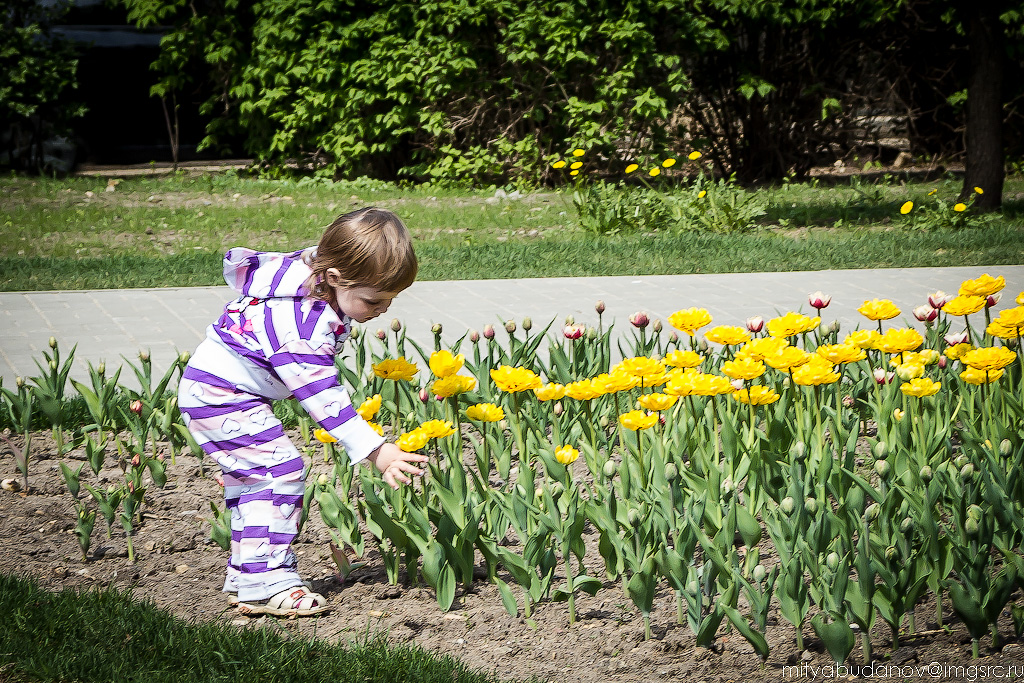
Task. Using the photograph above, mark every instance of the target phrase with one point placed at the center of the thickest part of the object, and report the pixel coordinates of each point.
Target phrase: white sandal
(233, 595)
(294, 602)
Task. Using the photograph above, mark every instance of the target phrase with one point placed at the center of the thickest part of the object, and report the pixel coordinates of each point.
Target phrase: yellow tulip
(787, 358)
(395, 369)
(965, 304)
(958, 350)
(369, 408)
(412, 441)
(920, 387)
(566, 455)
(878, 309)
(689, 320)
(865, 339)
(658, 402)
(437, 429)
(898, 414)
(683, 359)
(642, 367)
(376, 427)
(549, 392)
(743, 368)
(909, 371)
(898, 340)
(582, 390)
(727, 335)
(453, 385)
(841, 353)
(756, 395)
(485, 412)
(638, 419)
(693, 383)
(814, 374)
(988, 358)
(983, 285)
(975, 376)
(444, 364)
(512, 380)
(610, 383)
(792, 324)
(762, 347)
(323, 436)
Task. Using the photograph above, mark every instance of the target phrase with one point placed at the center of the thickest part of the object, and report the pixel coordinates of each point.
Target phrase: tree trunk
(984, 131)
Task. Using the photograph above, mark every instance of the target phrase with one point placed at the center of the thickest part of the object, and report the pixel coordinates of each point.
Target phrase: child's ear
(333, 277)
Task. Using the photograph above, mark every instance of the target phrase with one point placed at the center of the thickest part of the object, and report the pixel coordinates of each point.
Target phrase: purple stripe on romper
(254, 532)
(279, 359)
(202, 412)
(265, 495)
(286, 467)
(243, 351)
(206, 378)
(314, 388)
(254, 263)
(253, 567)
(268, 326)
(346, 414)
(281, 539)
(279, 275)
(245, 440)
(306, 324)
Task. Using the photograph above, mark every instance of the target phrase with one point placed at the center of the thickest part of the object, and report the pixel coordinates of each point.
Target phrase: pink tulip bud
(755, 324)
(926, 313)
(656, 325)
(639, 320)
(943, 362)
(474, 336)
(599, 307)
(136, 407)
(136, 460)
(952, 339)
(424, 395)
(661, 420)
(883, 377)
(992, 299)
(510, 326)
(382, 335)
(131, 487)
(848, 401)
(819, 300)
(939, 299)
(672, 338)
(160, 457)
(489, 331)
(573, 331)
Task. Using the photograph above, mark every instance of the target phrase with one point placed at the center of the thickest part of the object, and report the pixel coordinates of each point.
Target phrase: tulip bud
(939, 299)
(897, 414)
(926, 474)
(882, 467)
(824, 328)
(759, 573)
(527, 324)
(396, 325)
(727, 486)
(1005, 448)
(834, 327)
(633, 516)
(322, 480)
(671, 471)
(136, 407)
(787, 505)
(381, 334)
(881, 376)
(798, 450)
(966, 472)
(737, 384)
(992, 299)
(591, 334)
(848, 401)
(111, 489)
(819, 300)
(101, 368)
(702, 345)
(144, 356)
(557, 489)
(952, 339)
(573, 332)
(975, 512)
(811, 505)
(673, 338)
(961, 460)
(488, 331)
(890, 553)
(521, 490)
(53, 365)
(609, 468)
(160, 457)
(599, 307)
(424, 395)
(906, 526)
(639, 320)
(755, 324)
(436, 329)
(926, 313)
(871, 513)
(19, 381)
(880, 450)
(558, 409)
(570, 320)
(136, 460)
(604, 422)
(510, 326)
(943, 362)
(474, 336)
(356, 332)
(53, 342)
(656, 325)
(972, 526)
(832, 561)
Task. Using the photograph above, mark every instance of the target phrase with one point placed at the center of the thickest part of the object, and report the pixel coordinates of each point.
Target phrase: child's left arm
(394, 464)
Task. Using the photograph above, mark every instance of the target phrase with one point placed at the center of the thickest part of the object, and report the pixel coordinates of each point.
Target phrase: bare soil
(178, 568)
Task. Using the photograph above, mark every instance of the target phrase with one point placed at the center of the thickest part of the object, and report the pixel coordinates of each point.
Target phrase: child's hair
(371, 247)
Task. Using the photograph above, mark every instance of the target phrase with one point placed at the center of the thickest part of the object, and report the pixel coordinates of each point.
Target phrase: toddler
(279, 339)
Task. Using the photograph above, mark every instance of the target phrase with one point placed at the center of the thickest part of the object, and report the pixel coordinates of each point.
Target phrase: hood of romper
(268, 274)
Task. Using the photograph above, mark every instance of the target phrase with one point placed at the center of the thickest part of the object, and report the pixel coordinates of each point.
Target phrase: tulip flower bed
(776, 473)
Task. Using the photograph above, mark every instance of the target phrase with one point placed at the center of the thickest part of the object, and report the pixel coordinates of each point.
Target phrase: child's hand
(393, 464)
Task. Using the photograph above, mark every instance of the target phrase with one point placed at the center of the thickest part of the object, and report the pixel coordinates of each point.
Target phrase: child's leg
(263, 484)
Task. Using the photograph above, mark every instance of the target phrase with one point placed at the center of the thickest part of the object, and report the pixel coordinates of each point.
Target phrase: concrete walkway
(109, 324)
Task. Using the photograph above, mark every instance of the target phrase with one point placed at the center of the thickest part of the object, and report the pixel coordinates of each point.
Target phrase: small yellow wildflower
(693, 156)
(907, 207)
(632, 167)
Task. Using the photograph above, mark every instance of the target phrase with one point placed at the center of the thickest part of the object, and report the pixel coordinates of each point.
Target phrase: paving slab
(108, 325)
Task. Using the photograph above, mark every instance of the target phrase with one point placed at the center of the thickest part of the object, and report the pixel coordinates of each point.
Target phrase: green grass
(106, 635)
(173, 231)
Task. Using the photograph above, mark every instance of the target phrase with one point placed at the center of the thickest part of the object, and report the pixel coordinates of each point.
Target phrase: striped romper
(271, 343)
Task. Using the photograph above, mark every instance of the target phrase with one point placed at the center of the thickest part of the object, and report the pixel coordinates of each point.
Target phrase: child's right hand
(393, 464)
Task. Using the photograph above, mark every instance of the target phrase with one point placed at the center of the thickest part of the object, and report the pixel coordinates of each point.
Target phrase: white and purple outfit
(271, 343)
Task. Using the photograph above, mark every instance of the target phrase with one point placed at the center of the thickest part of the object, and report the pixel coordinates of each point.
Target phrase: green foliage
(39, 72)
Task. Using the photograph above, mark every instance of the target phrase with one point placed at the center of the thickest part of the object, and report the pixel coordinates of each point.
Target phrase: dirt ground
(179, 569)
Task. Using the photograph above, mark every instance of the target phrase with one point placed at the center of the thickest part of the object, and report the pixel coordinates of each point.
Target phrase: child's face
(359, 302)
